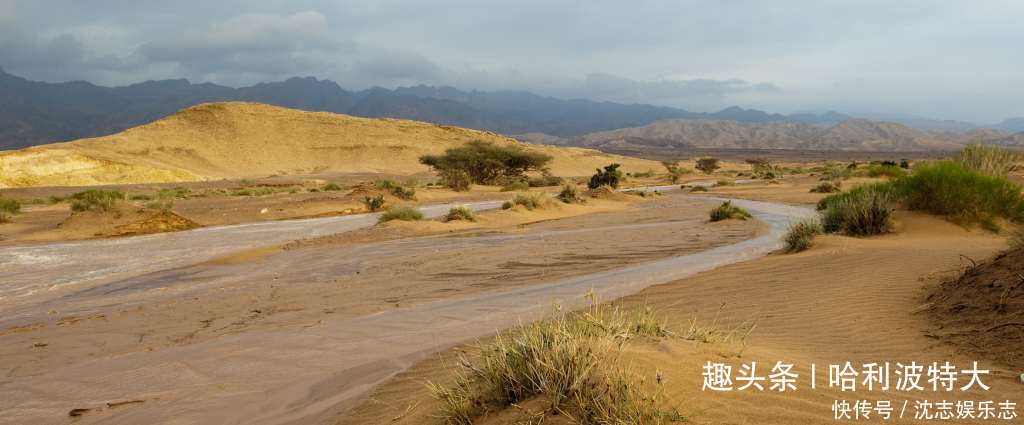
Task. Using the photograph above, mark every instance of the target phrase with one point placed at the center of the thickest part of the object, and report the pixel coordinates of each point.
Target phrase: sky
(957, 60)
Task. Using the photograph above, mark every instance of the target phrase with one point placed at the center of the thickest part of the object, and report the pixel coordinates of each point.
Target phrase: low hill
(850, 135)
(239, 139)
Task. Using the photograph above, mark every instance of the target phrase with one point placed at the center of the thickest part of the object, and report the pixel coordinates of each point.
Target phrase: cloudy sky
(943, 59)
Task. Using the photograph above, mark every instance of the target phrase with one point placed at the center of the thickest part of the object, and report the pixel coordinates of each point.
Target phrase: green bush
(707, 165)
(570, 195)
(610, 176)
(507, 205)
(827, 187)
(728, 211)
(862, 211)
(95, 200)
(374, 203)
(486, 162)
(516, 186)
(801, 235)
(545, 181)
(460, 213)
(457, 180)
(890, 171)
(949, 189)
(400, 213)
(399, 191)
(675, 172)
(988, 160)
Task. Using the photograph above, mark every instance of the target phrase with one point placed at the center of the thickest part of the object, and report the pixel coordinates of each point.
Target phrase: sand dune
(237, 139)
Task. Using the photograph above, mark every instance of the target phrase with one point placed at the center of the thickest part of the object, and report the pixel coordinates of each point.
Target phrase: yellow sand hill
(238, 139)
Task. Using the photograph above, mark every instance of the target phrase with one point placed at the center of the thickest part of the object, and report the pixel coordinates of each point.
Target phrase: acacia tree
(485, 162)
(707, 165)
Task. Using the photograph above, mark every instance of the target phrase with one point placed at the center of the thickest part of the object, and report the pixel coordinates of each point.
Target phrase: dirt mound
(982, 311)
(239, 140)
(124, 221)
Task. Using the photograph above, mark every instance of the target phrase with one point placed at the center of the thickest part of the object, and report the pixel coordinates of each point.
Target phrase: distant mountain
(36, 113)
(849, 135)
(1012, 125)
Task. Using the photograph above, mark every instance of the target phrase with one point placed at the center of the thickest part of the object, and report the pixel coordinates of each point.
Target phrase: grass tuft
(827, 187)
(570, 195)
(460, 213)
(965, 196)
(891, 171)
(400, 213)
(728, 211)
(529, 201)
(801, 235)
(95, 200)
(988, 160)
(516, 186)
(404, 192)
(863, 211)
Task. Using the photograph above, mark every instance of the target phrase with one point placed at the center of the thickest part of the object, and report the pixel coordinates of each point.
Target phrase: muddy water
(284, 376)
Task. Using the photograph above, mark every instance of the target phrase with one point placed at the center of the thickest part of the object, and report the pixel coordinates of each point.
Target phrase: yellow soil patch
(238, 139)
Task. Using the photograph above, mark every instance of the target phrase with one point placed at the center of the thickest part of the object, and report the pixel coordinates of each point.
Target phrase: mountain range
(34, 113)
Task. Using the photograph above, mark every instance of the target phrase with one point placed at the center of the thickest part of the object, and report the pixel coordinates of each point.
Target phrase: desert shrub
(801, 234)
(140, 197)
(456, 180)
(763, 169)
(675, 172)
(507, 205)
(950, 189)
(570, 195)
(724, 182)
(486, 162)
(244, 192)
(545, 181)
(460, 213)
(8, 208)
(398, 190)
(728, 211)
(988, 160)
(862, 211)
(905, 164)
(400, 213)
(516, 186)
(571, 361)
(645, 174)
(95, 200)
(698, 189)
(885, 170)
(161, 204)
(331, 187)
(374, 203)
(707, 165)
(610, 176)
(827, 187)
(530, 201)
(836, 173)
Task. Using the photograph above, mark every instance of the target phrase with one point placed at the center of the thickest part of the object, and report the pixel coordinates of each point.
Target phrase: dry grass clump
(545, 181)
(8, 208)
(801, 235)
(730, 342)
(529, 201)
(724, 182)
(573, 362)
(827, 187)
(728, 211)
(516, 186)
(405, 192)
(988, 160)
(862, 211)
(570, 195)
(95, 200)
(460, 213)
(400, 213)
(698, 189)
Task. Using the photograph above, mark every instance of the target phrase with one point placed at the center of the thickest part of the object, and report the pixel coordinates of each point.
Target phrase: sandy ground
(301, 285)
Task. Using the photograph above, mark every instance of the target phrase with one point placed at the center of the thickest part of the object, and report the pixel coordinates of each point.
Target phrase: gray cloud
(946, 59)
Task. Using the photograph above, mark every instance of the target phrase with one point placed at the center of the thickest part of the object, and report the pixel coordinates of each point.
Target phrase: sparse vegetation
(763, 169)
(460, 213)
(988, 160)
(886, 170)
(949, 189)
(728, 211)
(95, 200)
(801, 235)
(8, 208)
(529, 201)
(373, 203)
(698, 189)
(516, 186)
(457, 180)
(724, 182)
(331, 187)
(644, 174)
(610, 176)
(707, 165)
(545, 181)
(827, 187)
(486, 162)
(400, 213)
(862, 211)
(404, 192)
(675, 172)
(570, 195)
(571, 361)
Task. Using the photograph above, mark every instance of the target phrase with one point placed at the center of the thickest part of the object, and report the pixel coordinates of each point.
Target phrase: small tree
(486, 162)
(707, 165)
(610, 176)
(763, 169)
(675, 172)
